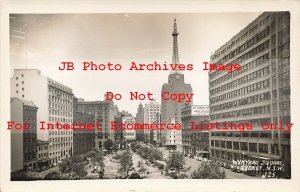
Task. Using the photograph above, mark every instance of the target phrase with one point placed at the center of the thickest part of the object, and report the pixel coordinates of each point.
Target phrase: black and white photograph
(150, 96)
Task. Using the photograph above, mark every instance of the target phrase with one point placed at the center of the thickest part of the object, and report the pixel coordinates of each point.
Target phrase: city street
(53, 169)
(194, 165)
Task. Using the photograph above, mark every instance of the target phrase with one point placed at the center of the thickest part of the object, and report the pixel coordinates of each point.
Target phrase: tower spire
(175, 57)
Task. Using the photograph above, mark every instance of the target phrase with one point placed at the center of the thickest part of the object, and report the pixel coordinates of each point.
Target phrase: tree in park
(208, 171)
(78, 170)
(133, 146)
(142, 167)
(115, 146)
(175, 161)
(123, 144)
(65, 166)
(125, 162)
(73, 167)
(157, 154)
(92, 154)
(98, 159)
(108, 144)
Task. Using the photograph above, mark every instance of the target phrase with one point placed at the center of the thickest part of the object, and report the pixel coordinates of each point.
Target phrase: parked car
(250, 172)
(236, 169)
(227, 166)
(239, 170)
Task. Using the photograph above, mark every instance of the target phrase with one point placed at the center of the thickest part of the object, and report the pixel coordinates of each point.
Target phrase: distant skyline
(43, 41)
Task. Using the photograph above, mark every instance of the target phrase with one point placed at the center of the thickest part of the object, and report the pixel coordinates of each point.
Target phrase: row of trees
(112, 146)
(75, 166)
(151, 154)
(208, 171)
(125, 162)
(175, 161)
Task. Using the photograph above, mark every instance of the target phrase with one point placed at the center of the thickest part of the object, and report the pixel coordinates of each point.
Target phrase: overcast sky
(48, 40)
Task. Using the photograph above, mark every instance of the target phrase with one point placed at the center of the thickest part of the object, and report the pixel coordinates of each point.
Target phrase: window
(236, 145)
(244, 146)
(263, 148)
(253, 147)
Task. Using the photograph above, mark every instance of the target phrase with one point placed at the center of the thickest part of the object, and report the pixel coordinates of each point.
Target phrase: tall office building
(83, 139)
(150, 111)
(171, 110)
(195, 142)
(23, 142)
(103, 111)
(140, 119)
(55, 103)
(259, 93)
(119, 133)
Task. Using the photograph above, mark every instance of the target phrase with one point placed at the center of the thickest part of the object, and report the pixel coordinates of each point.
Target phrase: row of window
(60, 139)
(242, 91)
(244, 112)
(61, 132)
(247, 78)
(61, 113)
(60, 119)
(255, 63)
(243, 57)
(57, 85)
(60, 107)
(58, 100)
(58, 146)
(250, 31)
(244, 101)
(43, 155)
(244, 146)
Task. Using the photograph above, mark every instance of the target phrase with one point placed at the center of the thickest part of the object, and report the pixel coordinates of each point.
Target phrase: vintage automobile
(227, 166)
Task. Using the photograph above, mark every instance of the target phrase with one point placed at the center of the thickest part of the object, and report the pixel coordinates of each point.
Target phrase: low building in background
(195, 142)
(43, 155)
(129, 135)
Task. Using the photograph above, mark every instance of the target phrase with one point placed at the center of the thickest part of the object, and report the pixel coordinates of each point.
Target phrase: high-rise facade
(150, 111)
(140, 119)
(171, 110)
(195, 142)
(55, 103)
(24, 142)
(83, 139)
(259, 93)
(104, 112)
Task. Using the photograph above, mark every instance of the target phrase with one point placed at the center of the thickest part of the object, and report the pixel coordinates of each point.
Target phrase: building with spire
(171, 110)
